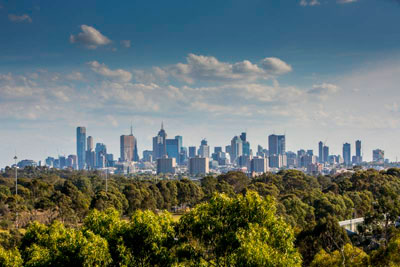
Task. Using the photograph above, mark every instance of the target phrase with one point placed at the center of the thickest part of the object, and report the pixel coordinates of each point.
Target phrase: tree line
(228, 220)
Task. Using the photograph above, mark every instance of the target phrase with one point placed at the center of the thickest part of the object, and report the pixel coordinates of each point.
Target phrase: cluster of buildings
(170, 156)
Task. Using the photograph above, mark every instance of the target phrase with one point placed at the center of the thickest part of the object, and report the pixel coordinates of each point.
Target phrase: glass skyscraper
(81, 147)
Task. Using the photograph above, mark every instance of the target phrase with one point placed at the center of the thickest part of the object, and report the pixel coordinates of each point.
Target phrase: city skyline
(315, 70)
(276, 145)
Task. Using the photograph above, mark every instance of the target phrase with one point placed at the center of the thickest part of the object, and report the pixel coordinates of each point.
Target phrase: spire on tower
(131, 128)
(162, 125)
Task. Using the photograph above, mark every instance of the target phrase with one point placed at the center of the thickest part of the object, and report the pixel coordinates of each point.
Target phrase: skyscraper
(80, 146)
(90, 159)
(357, 159)
(245, 144)
(128, 148)
(378, 156)
(321, 152)
(236, 148)
(192, 152)
(172, 146)
(204, 149)
(358, 148)
(159, 144)
(276, 144)
(325, 154)
(101, 155)
(347, 153)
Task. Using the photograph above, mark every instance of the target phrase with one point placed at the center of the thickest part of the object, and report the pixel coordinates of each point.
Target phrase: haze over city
(313, 70)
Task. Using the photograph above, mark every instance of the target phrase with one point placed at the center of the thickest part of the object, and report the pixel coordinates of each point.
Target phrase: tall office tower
(128, 148)
(325, 154)
(159, 144)
(276, 144)
(357, 159)
(72, 161)
(198, 165)
(291, 158)
(321, 152)
(148, 155)
(90, 145)
(192, 152)
(347, 153)
(236, 148)
(358, 148)
(378, 156)
(180, 143)
(90, 161)
(245, 145)
(228, 149)
(259, 165)
(101, 155)
(217, 149)
(63, 162)
(166, 165)
(183, 155)
(81, 146)
(172, 146)
(204, 149)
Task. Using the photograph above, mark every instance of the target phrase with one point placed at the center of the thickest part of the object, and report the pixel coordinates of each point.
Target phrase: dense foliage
(292, 219)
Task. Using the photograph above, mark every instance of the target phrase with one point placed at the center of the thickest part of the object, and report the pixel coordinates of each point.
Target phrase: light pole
(16, 191)
(16, 175)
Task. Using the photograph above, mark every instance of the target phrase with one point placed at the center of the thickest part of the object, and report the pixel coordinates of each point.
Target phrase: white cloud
(126, 43)
(75, 76)
(323, 90)
(89, 37)
(208, 68)
(118, 74)
(309, 3)
(21, 18)
(276, 66)
(346, 1)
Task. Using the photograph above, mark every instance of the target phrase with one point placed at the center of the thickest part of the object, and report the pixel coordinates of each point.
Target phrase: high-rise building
(63, 161)
(81, 146)
(204, 149)
(172, 146)
(72, 162)
(166, 165)
(276, 144)
(127, 148)
(259, 165)
(180, 143)
(148, 155)
(159, 144)
(198, 165)
(236, 148)
(378, 156)
(357, 159)
(217, 149)
(245, 144)
(321, 152)
(347, 153)
(358, 148)
(90, 160)
(101, 155)
(325, 154)
(192, 152)
(90, 145)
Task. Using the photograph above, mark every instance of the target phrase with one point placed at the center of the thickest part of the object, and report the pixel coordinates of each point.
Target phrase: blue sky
(316, 70)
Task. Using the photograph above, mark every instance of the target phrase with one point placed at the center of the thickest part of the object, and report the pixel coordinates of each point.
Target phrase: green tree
(56, 245)
(348, 256)
(226, 230)
(10, 258)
